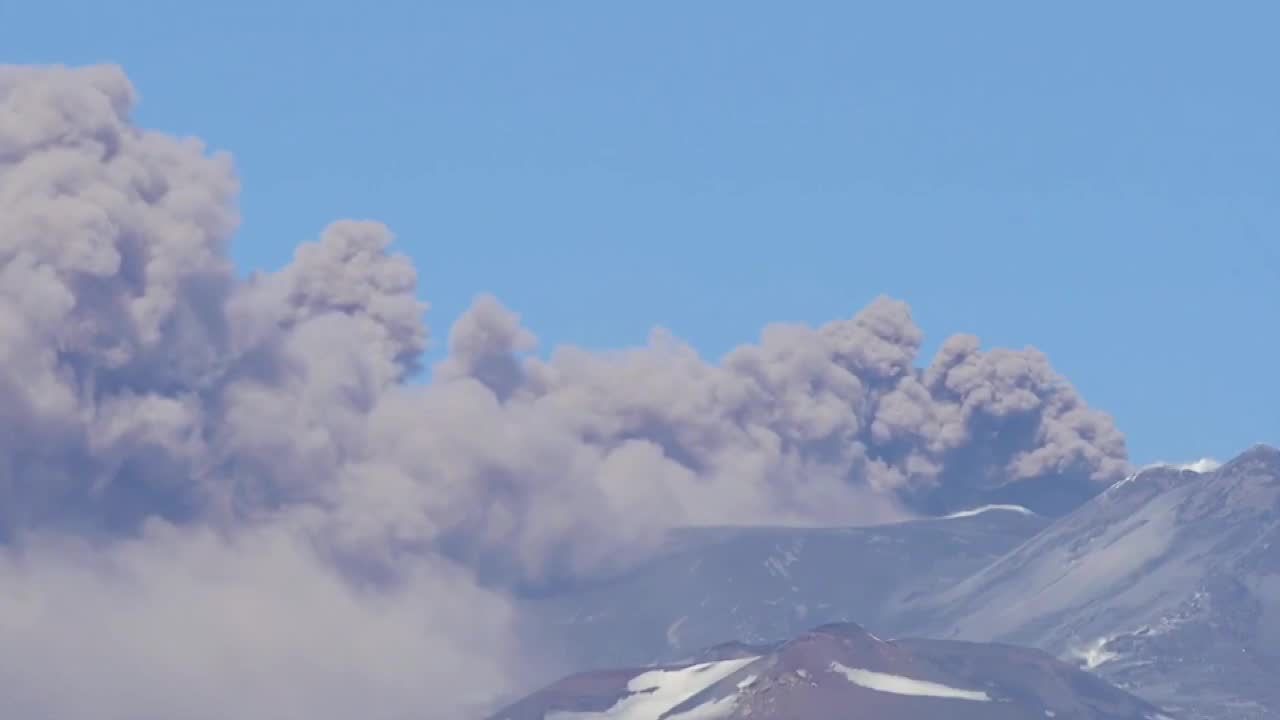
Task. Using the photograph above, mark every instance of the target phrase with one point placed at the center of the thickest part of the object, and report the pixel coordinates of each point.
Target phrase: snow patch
(899, 685)
(1127, 479)
(987, 508)
(656, 692)
(1095, 654)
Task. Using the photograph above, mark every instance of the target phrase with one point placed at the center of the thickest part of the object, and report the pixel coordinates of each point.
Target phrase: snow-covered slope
(841, 672)
(657, 693)
(1168, 582)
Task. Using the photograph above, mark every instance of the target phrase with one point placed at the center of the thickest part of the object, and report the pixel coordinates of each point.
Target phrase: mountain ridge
(1167, 582)
(839, 671)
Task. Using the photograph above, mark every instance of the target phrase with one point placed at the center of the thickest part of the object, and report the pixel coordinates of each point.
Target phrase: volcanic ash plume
(219, 495)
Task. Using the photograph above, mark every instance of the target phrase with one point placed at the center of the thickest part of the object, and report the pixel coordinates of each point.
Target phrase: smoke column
(220, 497)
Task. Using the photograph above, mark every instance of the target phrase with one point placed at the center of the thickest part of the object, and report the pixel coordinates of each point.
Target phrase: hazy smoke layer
(219, 498)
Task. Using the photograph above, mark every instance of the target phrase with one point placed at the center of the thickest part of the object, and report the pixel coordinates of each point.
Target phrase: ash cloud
(217, 496)
(188, 624)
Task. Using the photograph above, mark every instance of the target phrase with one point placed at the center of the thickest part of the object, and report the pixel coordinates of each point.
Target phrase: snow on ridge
(1203, 465)
(900, 685)
(987, 508)
(1119, 484)
(656, 692)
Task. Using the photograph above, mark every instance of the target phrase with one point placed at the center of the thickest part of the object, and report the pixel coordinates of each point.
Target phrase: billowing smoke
(221, 498)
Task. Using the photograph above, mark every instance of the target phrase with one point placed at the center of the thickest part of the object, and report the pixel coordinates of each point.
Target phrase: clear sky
(1099, 180)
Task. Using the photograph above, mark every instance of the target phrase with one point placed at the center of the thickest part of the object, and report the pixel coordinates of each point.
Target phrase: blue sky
(1099, 180)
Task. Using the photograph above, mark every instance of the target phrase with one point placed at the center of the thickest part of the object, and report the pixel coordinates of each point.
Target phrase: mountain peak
(1264, 449)
(1262, 454)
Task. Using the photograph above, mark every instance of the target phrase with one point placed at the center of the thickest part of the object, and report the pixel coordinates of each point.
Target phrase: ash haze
(220, 497)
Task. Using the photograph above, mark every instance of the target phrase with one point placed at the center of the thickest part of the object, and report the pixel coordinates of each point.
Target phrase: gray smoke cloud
(219, 496)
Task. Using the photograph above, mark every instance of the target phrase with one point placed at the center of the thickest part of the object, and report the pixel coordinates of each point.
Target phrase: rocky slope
(760, 585)
(1167, 583)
